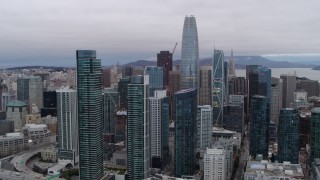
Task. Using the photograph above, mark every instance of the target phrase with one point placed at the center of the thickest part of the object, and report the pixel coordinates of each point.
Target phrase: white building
(67, 123)
(204, 126)
(16, 112)
(37, 135)
(11, 143)
(261, 170)
(215, 164)
(158, 118)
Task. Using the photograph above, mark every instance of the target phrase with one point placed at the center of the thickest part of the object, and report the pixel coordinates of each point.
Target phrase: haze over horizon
(43, 32)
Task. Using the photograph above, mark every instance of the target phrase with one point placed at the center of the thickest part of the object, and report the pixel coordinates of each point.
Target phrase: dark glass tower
(122, 89)
(138, 128)
(189, 54)
(288, 136)
(218, 87)
(23, 89)
(89, 114)
(155, 78)
(315, 134)
(110, 105)
(259, 128)
(164, 60)
(185, 131)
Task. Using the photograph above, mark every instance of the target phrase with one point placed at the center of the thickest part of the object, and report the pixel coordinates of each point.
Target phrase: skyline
(49, 32)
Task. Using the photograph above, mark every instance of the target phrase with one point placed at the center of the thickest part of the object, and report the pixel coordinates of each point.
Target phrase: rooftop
(185, 90)
(266, 168)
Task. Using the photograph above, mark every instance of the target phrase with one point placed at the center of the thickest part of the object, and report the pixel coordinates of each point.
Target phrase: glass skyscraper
(288, 136)
(155, 78)
(185, 131)
(110, 104)
(259, 127)
(218, 89)
(138, 128)
(89, 76)
(189, 54)
(315, 134)
(164, 60)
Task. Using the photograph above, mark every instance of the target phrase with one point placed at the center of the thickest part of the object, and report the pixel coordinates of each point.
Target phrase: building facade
(288, 136)
(164, 60)
(215, 164)
(35, 92)
(205, 85)
(289, 87)
(90, 122)
(259, 127)
(218, 87)
(185, 131)
(67, 123)
(111, 101)
(155, 78)
(159, 121)
(16, 112)
(315, 134)
(204, 126)
(138, 124)
(189, 54)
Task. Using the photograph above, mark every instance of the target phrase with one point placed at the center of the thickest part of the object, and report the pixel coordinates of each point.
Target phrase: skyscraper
(259, 127)
(189, 54)
(159, 130)
(155, 78)
(185, 131)
(218, 87)
(164, 60)
(288, 136)
(204, 126)
(231, 66)
(35, 92)
(215, 164)
(276, 99)
(67, 124)
(259, 81)
(289, 87)
(89, 114)
(174, 86)
(138, 125)
(110, 105)
(205, 85)
(315, 134)
(23, 89)
(122, 89)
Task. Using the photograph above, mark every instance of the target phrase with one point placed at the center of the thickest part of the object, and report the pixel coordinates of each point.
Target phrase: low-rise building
(33, 118)
(260, 170)
(49, 154)
(11, 143)
(37, 135)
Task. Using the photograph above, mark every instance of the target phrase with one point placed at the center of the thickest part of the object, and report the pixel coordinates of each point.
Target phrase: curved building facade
(189, 54)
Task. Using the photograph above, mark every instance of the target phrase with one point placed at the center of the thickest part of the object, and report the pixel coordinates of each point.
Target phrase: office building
(67, 124)
(215, 164)
(276, 99)
(315, 134)
(120, 126)
(205, 85)
(288, 136)
(259, 82)
(11, 143)
(159, 131)
(218, 87)
(155, 78)
(122, 89)
(304, 130)
(106, 77)
(90, 122)
(238, 85)
(185, 131)
(37, 135)
(49, 104)
(189, 54)
(233, 118)
(310, 86)
(110, 105)
(231, 66)
(204, 126)
(174, 86)
(289, 87)
(138, 124)
(16, 112)
(259, 127)
(164, 60)
(6, 127)
(35, 92)
(23, 89)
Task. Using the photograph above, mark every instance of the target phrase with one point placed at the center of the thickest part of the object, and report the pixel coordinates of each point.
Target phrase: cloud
(127, 30)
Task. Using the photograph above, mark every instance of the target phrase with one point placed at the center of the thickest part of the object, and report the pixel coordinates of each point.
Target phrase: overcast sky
(47, 32)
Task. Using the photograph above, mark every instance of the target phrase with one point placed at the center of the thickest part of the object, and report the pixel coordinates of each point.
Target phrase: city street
(243, 157)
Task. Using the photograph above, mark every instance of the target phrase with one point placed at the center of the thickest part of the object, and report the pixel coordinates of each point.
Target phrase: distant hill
(241, 62)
